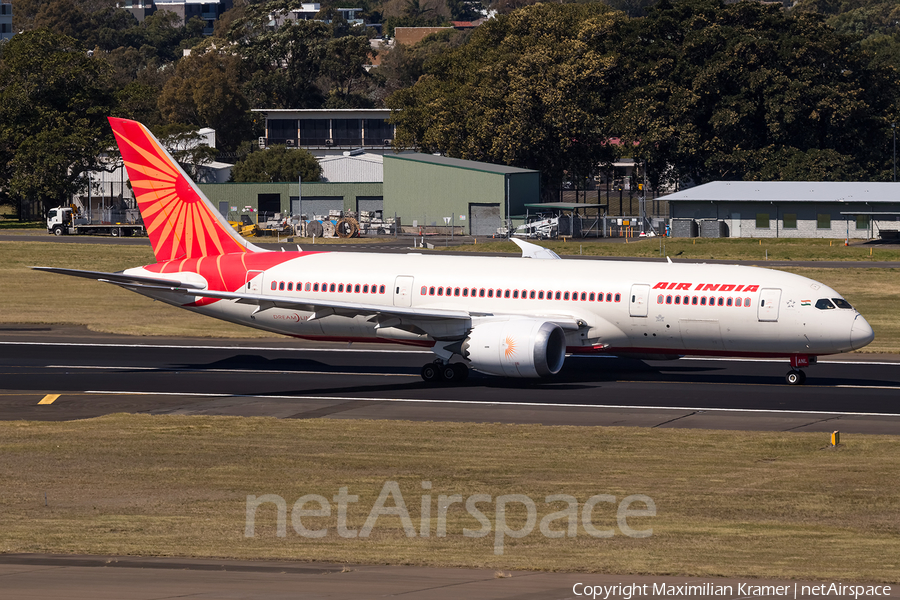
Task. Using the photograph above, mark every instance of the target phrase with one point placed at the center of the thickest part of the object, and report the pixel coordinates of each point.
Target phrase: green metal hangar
(432, 191)
(796, 209)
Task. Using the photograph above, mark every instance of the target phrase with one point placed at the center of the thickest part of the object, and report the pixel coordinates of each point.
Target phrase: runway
(59, 374)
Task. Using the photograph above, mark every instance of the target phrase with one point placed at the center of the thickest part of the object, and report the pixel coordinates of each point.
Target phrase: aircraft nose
(860, 333)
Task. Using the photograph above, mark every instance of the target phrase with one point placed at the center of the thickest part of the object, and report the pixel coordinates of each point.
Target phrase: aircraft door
(769, 299)
(640, 297)
(403, 286)
(254, 283)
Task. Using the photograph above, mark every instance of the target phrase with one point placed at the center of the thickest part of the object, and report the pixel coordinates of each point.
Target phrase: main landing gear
(795, 376)
(438, 371)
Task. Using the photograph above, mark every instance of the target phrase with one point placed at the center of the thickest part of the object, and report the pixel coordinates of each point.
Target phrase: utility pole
(894, 131)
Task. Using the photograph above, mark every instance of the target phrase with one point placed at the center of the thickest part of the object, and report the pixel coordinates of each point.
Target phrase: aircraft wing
(320, 307)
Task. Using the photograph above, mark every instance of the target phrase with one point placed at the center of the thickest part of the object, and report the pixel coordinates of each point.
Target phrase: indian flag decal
(805, 302)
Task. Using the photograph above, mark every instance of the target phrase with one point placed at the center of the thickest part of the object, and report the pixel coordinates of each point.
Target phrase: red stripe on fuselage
(226, 272)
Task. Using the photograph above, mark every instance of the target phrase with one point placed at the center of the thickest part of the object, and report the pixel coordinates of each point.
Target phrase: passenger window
(456, 292)
(558, 295)
(290, 286)
(618, 297)
(531, 295)
(316, 287)
(677, 299)
(694, 300)
(515, 293)
(659, 299)
(307, 286)
(341, 287)
(424, 290)
(584, 296)
(609, 297)
(381, 290)
(506, 294)
(703, 301)
(824, 304)
(356, 288)
(729, 302)
(721, 300)
(490, 293)
(465, 291)
(841, 303)
(366, 289)
(591, 297)
(481, 293)
(746, 301)
(331, 288)
(274, 285)
(668, 299)
(541, 295)
(566, 296)
(431, 291)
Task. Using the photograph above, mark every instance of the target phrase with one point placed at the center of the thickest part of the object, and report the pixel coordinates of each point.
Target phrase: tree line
(698, 89)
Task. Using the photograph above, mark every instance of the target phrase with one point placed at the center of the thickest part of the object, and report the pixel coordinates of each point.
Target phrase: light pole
(894, 132)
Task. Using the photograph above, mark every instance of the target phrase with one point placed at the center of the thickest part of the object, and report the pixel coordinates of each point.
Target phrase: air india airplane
(511, 316)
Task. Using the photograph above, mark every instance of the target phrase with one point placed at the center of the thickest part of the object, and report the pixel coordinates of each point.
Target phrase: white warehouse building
(791, 209)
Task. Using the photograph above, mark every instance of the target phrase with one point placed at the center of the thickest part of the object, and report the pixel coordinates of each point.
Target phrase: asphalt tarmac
(92, 375)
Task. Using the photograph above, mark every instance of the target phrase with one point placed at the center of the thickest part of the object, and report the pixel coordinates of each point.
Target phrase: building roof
(789, 191)
(459, 163)
(353, 168)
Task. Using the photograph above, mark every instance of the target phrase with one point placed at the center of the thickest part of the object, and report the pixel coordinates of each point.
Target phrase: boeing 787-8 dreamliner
(512, 317)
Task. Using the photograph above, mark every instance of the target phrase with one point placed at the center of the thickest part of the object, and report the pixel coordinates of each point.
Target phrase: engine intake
(516, 348)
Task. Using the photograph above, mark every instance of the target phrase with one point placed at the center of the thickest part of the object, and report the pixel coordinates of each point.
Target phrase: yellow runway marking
(49, 399)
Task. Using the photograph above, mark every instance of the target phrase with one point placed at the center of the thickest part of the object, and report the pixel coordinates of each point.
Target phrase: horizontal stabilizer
(121, 278)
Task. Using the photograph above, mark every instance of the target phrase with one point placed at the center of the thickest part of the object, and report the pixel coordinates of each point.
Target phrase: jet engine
(516, 348)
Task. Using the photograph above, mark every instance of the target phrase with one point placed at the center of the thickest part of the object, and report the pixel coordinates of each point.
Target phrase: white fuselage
(620, 307)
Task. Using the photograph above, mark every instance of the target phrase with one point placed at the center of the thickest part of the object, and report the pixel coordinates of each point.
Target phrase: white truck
(63, 221)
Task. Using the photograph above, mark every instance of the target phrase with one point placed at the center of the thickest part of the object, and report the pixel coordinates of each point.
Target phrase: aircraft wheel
(449, 373)
(462, 371)
(795, 377)
(431, 372)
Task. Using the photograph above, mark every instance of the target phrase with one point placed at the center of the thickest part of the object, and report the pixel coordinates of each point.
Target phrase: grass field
(707, 248)
(727, 503)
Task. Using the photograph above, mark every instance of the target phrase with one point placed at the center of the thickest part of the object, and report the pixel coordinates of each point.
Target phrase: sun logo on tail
(510, 349)
(180, 222)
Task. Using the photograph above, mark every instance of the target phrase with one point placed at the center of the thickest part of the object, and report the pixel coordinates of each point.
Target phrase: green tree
(530, 89)
(277, 164)
(206, 92)
(713, 91)
(285, 63)
(54, 100)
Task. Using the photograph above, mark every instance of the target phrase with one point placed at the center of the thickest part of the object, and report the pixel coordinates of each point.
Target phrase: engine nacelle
(516, 348)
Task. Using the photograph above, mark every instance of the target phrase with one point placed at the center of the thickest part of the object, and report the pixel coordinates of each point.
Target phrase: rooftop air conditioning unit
(387, 141)
(262, 142)
(329, 142)
(289, 143)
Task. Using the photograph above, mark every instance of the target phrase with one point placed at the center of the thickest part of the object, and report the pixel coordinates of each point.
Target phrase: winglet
(530, 250)
(181, 222)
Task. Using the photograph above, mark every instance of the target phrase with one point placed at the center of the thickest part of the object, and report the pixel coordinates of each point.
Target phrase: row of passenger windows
(355, 288)
(520, 294)
(703, 300)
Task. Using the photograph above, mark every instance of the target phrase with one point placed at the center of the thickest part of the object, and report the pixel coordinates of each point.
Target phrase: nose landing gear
(795, 376)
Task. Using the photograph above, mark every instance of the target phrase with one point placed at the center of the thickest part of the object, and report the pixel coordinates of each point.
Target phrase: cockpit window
(824, 304)
(841, 303)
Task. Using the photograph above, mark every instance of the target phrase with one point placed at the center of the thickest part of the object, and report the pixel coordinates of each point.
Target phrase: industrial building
(435, 191)
(326, 132)
(787, 209)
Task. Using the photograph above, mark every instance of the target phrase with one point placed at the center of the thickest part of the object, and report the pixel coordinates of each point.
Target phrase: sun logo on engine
(510, 347)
